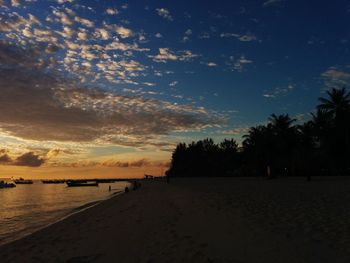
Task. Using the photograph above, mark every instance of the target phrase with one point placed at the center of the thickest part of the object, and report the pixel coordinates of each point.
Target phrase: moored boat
(4, 184)
(22, 181)
(81, 183)
(53, 181)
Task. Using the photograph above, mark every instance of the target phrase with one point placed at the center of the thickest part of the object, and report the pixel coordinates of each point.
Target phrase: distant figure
(109, 188)
(167, 179)
(268, 171)
(126, 189)
(135, 186)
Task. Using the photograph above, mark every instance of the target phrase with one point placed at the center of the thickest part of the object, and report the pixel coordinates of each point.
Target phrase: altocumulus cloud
(41, 104)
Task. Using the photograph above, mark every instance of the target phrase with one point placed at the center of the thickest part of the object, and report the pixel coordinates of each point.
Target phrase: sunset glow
(108, 88)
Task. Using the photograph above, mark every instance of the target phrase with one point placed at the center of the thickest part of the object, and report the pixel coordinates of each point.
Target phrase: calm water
(27, 208)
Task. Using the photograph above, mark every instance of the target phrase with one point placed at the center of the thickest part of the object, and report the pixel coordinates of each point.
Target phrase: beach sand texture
(203, 220)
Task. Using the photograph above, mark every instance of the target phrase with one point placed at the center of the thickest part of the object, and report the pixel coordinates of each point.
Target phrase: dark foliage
(320, 146)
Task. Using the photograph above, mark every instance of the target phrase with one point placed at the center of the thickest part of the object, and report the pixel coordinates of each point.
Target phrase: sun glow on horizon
(103, 88)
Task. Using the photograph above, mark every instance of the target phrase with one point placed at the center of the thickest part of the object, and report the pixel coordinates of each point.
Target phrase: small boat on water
(81, 183)
(4, 184)
(22, 181)
(53, 181)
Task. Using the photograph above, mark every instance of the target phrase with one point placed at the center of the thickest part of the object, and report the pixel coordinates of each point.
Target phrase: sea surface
(28, 208)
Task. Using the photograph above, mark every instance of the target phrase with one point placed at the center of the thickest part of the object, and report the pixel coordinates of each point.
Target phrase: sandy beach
(203, 220)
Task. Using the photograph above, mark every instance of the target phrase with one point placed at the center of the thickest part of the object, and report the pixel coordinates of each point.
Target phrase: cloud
(144, 162)
(83, 34)
(150, 84)
(239, 64)
(188, 32)
(123, 31)
(37, 104)
(53, 153)
(187, 35)
(164, 13)
(229, 35)
(187, 55)
(336, 77)
(173, 83)
(84, 21)
(279, 92)
(67, 32)
(244, 38)
(138, 163)
(158, 35)
(211, 64)
(5, 158)
(68, 45)
(64, 18)
(166, 54)
(101, 33)
(236, 131)
(271, 2)
(15, 3)
(185, 39)
(14, 23)
(112, 11)
(26, 159)
(115, 45)
(204, 35)
(29, 159)
(247, 38)
(64, 1)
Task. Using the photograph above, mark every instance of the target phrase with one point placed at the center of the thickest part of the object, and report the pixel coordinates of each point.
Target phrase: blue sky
(140, 76)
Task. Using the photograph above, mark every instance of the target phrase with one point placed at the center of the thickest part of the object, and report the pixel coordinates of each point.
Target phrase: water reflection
(26, 208)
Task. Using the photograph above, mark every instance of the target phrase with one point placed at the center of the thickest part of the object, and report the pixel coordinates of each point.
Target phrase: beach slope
(202, 220)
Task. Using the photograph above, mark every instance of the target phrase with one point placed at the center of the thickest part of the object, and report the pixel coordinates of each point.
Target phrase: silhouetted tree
(338, 103)
(337, 142)
(229, 157)
(257, 149)
(318, 146)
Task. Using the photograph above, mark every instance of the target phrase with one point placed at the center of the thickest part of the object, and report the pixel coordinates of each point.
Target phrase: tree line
(320, 146)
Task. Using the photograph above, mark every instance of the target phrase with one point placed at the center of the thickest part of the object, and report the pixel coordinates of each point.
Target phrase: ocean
(27, 208)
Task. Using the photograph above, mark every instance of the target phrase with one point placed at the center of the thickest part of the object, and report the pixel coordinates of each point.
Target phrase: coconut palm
(281, 123)
(338, 103)
(258, 147)
(322, 122)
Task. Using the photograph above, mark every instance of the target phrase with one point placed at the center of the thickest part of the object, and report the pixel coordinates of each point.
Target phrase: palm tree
(281, 123)
(229, 146)
(284, 142)
(322, 123)
(257, 145)
(228, 156)
(338, 103)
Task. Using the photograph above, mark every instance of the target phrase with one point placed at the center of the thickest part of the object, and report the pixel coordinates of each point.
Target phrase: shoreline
(201, 220)
(70, 212)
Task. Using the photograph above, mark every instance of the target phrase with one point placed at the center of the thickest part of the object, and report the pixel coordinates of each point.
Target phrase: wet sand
(203, 220)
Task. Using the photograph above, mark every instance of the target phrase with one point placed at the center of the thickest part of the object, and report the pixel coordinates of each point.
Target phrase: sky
(100, 88)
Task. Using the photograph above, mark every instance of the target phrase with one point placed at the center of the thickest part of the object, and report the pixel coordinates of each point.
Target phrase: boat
(53, 181)
(81, 183)
(4, 184)
(22, 181)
